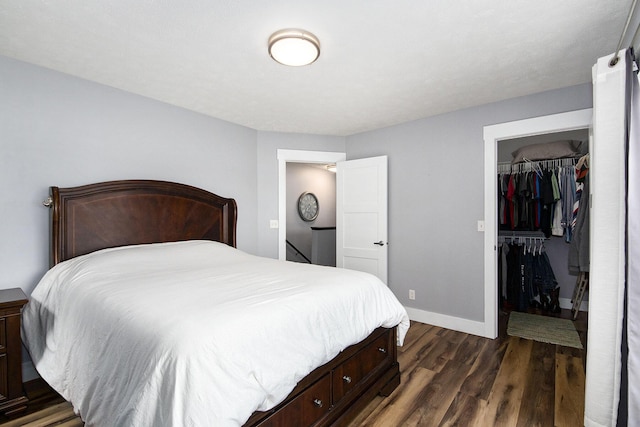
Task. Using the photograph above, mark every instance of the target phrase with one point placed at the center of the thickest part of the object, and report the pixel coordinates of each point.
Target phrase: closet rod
(521, 233)
(508, 167)
(521, 239)
(616, 57)
(535, 244)
(521, 236)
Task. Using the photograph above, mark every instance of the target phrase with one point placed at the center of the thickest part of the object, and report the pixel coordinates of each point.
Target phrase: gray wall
(63, 131)
(436, 197)
(302, 177)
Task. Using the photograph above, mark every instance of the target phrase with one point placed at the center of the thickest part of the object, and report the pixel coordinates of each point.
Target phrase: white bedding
(193, 333)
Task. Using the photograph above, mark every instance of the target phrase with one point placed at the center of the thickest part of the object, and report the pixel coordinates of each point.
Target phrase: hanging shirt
(579, 247)
(579, 184)
(556, 225)
(567, 201)
(512, 205)
(546, 199)
(523, 205)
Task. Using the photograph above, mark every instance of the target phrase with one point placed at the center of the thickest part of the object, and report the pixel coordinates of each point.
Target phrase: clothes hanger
(584, 161)
(535, 166)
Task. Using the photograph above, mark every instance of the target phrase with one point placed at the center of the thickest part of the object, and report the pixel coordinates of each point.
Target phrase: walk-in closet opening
(502, 142)
(543, 236)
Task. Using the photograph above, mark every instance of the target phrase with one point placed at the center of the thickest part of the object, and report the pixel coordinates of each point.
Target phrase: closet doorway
(566, 124)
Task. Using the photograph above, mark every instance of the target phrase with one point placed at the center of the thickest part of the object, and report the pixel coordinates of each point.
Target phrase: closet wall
(557, 248)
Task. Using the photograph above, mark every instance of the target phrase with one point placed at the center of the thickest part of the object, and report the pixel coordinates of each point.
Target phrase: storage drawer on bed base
(370, 368)
(348, 375)
(308, 407)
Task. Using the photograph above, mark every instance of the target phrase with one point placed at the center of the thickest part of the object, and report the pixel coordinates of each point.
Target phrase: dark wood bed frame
(117, 213)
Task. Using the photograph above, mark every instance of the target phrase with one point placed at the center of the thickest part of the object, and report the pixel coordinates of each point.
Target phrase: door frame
(573, 120)
(295, 156)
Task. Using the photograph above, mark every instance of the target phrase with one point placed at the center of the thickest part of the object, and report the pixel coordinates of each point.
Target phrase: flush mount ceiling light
(294, 47)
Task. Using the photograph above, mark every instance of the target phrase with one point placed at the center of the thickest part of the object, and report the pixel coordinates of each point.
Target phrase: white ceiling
(383, 62)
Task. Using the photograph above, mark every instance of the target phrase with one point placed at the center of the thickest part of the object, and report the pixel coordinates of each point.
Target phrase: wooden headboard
(117, 213)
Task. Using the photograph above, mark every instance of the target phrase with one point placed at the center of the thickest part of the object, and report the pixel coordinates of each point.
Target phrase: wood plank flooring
(448, 379)
(454, 379)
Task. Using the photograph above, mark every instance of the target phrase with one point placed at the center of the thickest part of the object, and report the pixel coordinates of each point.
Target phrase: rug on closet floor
(544, 329)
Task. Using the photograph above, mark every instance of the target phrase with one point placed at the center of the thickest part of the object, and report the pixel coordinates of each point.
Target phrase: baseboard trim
(467, 326)
(566, 303)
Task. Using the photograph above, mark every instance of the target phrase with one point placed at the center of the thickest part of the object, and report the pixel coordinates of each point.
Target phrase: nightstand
(12, 396)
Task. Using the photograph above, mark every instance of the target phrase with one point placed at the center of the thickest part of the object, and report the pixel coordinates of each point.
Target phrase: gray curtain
(633, 256)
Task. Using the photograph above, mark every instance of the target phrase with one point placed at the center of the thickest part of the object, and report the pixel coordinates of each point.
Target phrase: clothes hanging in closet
(579, 248)
(527, 279)
(538, 200)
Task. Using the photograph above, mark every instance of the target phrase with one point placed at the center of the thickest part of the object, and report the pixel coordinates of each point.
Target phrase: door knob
(380, 243)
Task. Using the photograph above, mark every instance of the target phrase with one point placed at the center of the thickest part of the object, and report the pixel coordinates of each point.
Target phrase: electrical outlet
(412, 294)
(273, 223)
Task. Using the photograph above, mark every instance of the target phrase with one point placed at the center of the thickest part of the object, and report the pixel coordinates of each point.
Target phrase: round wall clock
(308, 206)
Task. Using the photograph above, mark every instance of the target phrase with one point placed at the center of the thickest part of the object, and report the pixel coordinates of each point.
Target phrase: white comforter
(193, 333)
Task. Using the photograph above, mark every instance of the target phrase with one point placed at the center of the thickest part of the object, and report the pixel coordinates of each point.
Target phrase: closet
(542, 247)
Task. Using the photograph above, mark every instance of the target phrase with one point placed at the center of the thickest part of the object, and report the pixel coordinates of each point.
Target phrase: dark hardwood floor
(454, 379)
(448, 379)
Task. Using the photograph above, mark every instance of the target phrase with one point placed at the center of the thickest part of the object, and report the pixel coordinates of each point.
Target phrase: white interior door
(361, 215)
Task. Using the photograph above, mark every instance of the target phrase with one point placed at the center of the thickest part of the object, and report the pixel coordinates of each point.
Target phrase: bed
(150, 316)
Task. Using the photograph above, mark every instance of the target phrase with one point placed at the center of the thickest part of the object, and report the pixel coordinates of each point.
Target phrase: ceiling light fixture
(294, 47)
